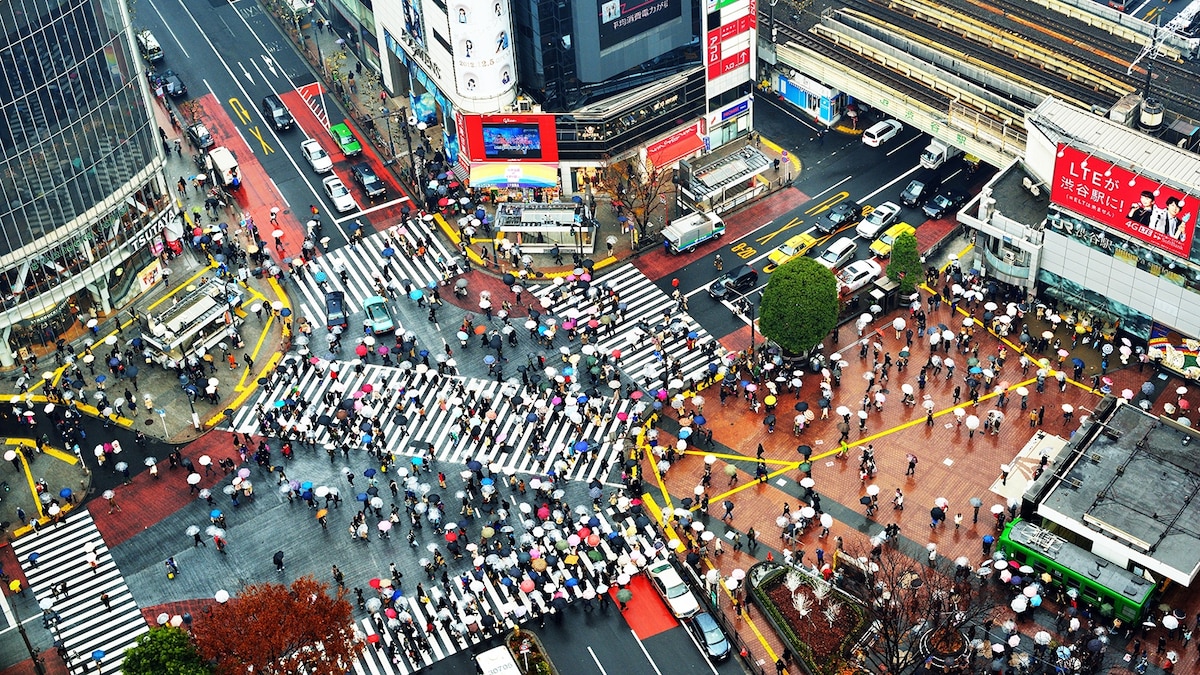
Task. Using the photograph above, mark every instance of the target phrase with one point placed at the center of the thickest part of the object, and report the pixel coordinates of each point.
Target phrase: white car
(877, 220)
(681, 601)
(839, 253)
(858, 274)
(881, 132)
(339, 194)
(316, 156)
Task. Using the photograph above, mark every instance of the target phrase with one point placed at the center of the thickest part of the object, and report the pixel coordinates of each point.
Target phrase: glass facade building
(84, 198)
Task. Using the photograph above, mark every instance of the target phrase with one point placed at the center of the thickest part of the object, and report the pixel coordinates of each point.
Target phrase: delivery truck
(686, 233)
(223, 168)
(938, 153)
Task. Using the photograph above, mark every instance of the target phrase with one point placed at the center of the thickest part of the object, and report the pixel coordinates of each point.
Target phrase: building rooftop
(1134, 478)
(1015, 200)
(1117, 143)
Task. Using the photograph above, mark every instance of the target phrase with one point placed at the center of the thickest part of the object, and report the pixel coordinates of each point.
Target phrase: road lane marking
(652, 663)
(597, 660)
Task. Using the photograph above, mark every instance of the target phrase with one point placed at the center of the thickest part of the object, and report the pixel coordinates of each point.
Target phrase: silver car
(316, 156)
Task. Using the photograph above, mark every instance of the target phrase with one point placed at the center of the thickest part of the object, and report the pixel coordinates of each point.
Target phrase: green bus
(1096, 580)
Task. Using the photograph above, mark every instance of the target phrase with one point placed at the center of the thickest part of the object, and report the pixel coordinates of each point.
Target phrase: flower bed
(815, 620)
(527, 651)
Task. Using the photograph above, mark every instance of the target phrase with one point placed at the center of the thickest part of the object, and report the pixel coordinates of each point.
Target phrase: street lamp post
(751, 309)
(387, 115)
(405, 123)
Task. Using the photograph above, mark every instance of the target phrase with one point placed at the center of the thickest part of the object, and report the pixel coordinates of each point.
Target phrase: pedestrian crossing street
(493, 599)
(364, 262)
(645, 304)
(85, 625)
(439, 428)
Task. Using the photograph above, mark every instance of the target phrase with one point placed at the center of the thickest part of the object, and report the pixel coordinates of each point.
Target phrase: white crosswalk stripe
(409, 433)
(363, 262)
(85, 624)
(644, 304)
(466, 606)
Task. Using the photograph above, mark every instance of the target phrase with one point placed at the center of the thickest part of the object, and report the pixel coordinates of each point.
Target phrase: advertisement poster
(1130, 203)
(621, 20)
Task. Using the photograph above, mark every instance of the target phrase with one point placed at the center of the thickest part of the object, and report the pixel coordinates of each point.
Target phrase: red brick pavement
(52, 666)
(147, 500)
(197, 608)
(658, 264)
(952, 463)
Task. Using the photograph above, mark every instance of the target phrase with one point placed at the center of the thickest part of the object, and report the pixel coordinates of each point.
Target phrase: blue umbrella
(320, 277)
(685, 432)
(280, 404)
(397, 594)
(132, 370)
(423, 353)
(306, 495)
(489, 359)
(531, 417)
(369, 473)
(388, 252)
(65, 493)
(487, 481)
(416, 461)
(975, 370)
(699, 420)
(98, 654)
(286, 311)
(693, 334)
(571, 583)
(581, 446)
(582, 399)
(1077, 362)
(362, 496)
(568, 371)
(306, 485)
(100, 378)
(431, 285)
(367, 438)
(214, 514)
(415, 294)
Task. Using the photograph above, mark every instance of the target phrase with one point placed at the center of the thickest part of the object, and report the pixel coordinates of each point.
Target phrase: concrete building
(1124, 488)
(541, 95)
(85, 199)
(1101, 218)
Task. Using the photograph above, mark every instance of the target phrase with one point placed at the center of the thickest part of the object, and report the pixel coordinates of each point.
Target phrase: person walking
(278, 560)
(339, 577)
(912, 465)
(728, 515)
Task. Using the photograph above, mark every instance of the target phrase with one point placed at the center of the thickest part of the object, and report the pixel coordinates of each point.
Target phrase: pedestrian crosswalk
(366, 261)
(458, 623)
(644, 305)
(63, 554)
(503, 411)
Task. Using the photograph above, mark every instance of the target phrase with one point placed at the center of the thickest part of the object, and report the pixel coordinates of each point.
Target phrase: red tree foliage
(281, 630)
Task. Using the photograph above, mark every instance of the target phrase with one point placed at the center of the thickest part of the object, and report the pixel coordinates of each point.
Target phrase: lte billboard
(1128, 202)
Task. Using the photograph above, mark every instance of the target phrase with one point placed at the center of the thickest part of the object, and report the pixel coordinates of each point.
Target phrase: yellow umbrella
(770, 400)
(321, 513)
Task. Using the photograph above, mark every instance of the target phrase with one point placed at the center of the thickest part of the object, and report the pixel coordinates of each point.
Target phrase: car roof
(340, 126)
(335, 295)
(841, 243)
(374, 300)
(332, 179)
(705, 617)
(898, 228)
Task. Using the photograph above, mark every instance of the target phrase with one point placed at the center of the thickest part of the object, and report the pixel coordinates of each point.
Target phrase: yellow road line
(181, 286)
(241, 398)
(68, 457)
(37, 501)
(254, 353)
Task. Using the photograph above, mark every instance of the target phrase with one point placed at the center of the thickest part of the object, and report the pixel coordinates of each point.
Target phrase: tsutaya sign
(1132, 204)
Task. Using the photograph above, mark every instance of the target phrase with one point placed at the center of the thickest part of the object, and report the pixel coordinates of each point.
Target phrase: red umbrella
(443, 201)
(1183, 404)
(373, 638)
(390, 613)
(361, 350)
(451, 536)
(543, 513)
(374, 583)
(368, 388)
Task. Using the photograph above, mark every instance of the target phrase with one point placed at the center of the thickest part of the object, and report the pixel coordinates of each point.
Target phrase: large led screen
(511, 141)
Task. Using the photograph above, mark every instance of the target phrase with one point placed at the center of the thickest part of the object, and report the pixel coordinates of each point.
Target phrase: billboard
(1125, 201)
(481, 35)
(621, 20)
(508, 138)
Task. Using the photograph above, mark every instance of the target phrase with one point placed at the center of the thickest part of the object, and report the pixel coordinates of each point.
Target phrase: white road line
(652, 663)
(597, 660)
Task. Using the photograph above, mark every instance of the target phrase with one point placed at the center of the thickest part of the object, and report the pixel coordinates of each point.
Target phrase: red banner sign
(729, 63)
(1125, 201)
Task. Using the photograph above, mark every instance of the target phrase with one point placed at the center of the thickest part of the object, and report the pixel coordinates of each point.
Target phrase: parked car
(877, 220)
(858, 274)
(881, 132)
(711, 636)
(842, 215)
(793, 248)
(198, 136)
(367, 179)
(734, 282)
(335, 310)
(882, 246)
(173, 84)
(316, 156)
(378, 315)
(346, 139)
(839, 253)
(674, 592)
(277, 112)
(944, 203)
(339, 194)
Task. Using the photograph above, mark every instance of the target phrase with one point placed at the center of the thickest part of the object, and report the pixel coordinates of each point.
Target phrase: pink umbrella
(382, 350)
(368, 388)
(357, 395)
(635, 395)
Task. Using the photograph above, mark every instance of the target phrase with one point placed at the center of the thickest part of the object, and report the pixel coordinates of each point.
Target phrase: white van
(496, 661)
(148, 46)
(881, 132)
(223, 167)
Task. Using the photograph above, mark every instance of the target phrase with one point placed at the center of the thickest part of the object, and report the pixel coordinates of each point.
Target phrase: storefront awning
(678, 148)
(513, 174)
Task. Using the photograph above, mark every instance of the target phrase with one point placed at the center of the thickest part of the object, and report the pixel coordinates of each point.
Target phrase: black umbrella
(324, 420)
(769, 420)
(434, 498)
(373, 491)
(805, 450)
(693, 559)
(936, 513)
(864, 500)
(262, 381)
(508, 279)
(559, 603)
(801, 406)
(474, 465)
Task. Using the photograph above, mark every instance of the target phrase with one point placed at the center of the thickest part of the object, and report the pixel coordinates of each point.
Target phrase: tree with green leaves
(799, 306)
(905, 266)
(165, 650)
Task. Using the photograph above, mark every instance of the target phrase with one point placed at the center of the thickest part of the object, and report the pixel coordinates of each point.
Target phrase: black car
(920, 189)
(335, 310)
(277, 112)
(198, 136)
(368, 180)
(944, 203)
(841, 216)
(735, 282)
(172, 83)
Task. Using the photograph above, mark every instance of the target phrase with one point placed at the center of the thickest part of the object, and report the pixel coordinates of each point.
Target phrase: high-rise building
(83, 197)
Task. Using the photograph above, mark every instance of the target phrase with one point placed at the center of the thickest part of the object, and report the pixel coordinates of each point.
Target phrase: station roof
(1117, 143)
